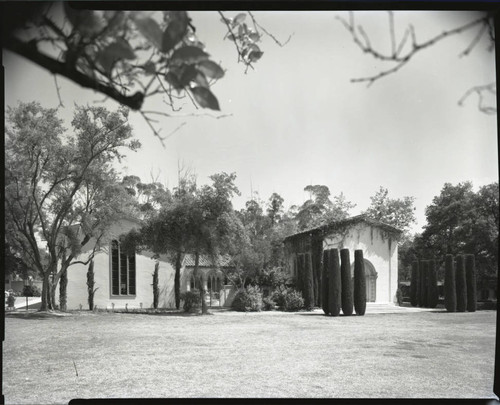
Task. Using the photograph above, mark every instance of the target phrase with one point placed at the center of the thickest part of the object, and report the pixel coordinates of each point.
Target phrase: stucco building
(126, 279)
(380, 251)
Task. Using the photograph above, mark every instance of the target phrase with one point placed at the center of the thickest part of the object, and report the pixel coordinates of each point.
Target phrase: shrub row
(460, 284)
(336, 284)
(283, 298)
(423, 288)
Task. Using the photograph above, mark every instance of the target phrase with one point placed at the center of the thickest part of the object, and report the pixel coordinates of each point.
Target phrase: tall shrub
(423, 289)
(450, 291)
(425, 292)
(90, 285)
(299, 273)
(414, 290)
(156, 290)
(309, 282)
(324, 283)
(359, 283)
(461, 285)
(470, 275)
(345, 273)
(432, 291)
(63, 286)
(334, 283)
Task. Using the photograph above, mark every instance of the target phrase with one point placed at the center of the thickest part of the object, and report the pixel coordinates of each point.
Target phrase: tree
(52, 183)
(129, 56)
(461, 221)
(319, 209)
(402, 50)
(398, 212)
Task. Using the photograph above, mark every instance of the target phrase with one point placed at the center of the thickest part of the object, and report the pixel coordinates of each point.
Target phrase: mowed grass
(228, 354)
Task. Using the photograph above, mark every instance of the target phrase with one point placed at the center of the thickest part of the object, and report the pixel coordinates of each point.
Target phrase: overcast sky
(297, 119)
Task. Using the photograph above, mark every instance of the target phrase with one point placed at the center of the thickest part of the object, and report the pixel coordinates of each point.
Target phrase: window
(122, 271)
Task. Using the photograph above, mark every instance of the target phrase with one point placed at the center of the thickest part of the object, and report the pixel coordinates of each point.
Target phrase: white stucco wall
(380, 250)
(77, 278)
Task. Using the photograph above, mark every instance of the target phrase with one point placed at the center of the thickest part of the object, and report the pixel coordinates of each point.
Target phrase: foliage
(461, 284)
(414, 288)
(450, 291)
(319, 209)
(306, 264)
(268, 304)
(334, 283)
(325, 282)
(11, 300)
(346, 288)
(273, 277)
(248, 300)
(460, 220)
(432, 292)
(31, 291)
(398, 212)
(59, 187)
(191, 300)
(470, 275)
(156, 290)
(359, 283)
(288, 299)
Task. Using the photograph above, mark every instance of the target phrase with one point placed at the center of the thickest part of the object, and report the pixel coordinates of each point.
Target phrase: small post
(26, 303)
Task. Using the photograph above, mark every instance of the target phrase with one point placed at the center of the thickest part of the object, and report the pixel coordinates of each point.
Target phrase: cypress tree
(414, 290)
(421, 284)
(470, 273)
(432, 292)
(156, 290)
(450, 292)
(345, 273)
(324, 283)
(300, 284)
(424, 287)
(308, 281)
(461, 285)
(359, 283)
(334, 283)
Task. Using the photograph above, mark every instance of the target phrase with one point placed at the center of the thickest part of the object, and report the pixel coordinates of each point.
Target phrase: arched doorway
(371, 280)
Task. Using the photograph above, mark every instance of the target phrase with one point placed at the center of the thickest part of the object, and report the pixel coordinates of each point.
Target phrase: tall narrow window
(122, 271)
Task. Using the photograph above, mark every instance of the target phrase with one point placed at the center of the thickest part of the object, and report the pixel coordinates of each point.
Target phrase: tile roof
(206, 261)
(351, 220)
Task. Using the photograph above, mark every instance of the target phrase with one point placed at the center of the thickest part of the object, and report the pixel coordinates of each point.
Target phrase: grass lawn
(228, 354)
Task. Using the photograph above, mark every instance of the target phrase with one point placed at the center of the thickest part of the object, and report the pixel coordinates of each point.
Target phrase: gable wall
(379, 249)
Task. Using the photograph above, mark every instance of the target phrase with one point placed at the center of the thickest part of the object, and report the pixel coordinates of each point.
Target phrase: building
(123, 279)
(377, 240)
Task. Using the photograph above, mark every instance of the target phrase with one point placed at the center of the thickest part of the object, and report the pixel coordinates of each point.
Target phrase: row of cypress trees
(423, 287)
(337, 290)
(460, 283)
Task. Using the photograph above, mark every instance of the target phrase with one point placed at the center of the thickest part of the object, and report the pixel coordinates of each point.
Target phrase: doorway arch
(371, 276)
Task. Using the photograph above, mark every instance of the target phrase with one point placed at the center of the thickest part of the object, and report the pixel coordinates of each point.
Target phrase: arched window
(371, 280)
(122, 270)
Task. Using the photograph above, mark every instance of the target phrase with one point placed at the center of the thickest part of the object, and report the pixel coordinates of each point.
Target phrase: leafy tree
(55, 180)
(461, 221)
(398, 212)
(129, 56)
(275, 208)
(319, 209)
(149, 196)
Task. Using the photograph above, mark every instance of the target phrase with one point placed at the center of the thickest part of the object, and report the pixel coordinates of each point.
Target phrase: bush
(11, 299)
(450, 292)
(288, 299)
(359, 283)
(268, 304)
(192, 301)
(470, 276)
(461, 285)
(31, 291)
(248, 300)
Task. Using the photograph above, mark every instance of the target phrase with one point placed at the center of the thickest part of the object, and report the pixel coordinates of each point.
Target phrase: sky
(297, 119)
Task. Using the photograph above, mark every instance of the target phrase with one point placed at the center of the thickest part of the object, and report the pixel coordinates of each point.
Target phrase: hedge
(334, 283)
(345, 273)
(414, 288)
(450, 292)
(324, 283)
(432, 291)
(470, 276)
(461, 285)
(359, 283)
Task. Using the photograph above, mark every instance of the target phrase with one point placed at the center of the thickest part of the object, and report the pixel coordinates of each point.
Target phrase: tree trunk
(45, 292)
(177, 280)
(90, 285)
(63, 283)
(53, 295)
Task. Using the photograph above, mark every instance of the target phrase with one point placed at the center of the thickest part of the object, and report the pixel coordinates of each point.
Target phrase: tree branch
(31, 53)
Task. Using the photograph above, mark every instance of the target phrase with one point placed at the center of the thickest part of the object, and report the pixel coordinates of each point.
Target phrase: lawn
(228, 354)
